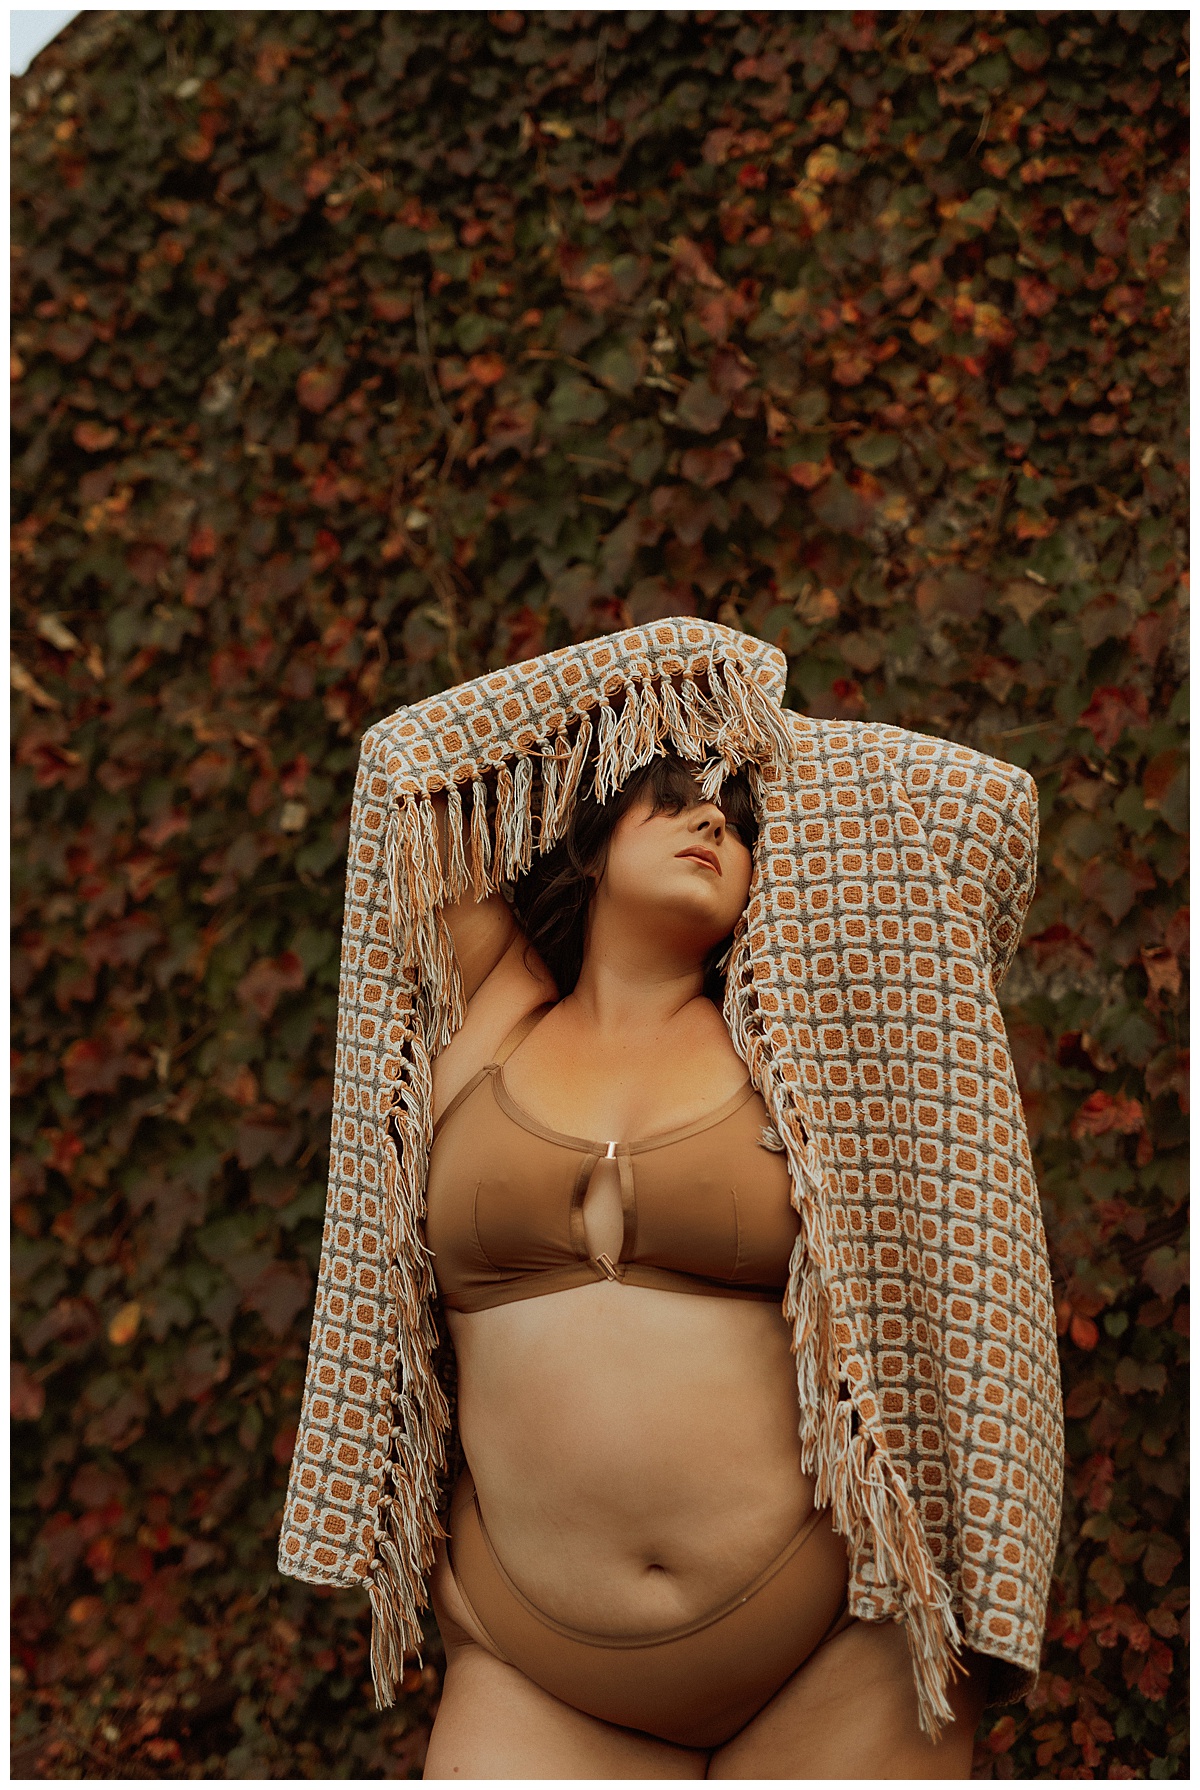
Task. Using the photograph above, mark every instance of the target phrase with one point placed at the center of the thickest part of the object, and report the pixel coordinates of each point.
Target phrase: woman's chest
(509, 1199)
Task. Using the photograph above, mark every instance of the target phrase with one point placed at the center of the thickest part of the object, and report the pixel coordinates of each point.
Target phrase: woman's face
(688, 873)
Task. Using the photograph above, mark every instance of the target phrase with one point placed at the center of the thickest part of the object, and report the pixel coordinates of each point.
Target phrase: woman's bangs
(674, 784)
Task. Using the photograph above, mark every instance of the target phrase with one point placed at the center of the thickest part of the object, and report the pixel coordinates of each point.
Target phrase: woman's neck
(627, 985)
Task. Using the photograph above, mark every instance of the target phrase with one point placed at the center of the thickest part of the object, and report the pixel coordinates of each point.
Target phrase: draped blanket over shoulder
(890, 882)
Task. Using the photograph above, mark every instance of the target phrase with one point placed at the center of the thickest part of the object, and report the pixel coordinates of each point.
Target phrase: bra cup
(686, 1219)
(770, 1225)
(523, 1206)
(717, 1204)
(451, 1204)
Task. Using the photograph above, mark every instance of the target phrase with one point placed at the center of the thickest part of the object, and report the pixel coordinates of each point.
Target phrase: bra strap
(458, 1099)
(521, 1030)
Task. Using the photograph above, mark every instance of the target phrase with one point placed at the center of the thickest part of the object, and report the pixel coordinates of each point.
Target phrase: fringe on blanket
(405, 1540)
(531, 797)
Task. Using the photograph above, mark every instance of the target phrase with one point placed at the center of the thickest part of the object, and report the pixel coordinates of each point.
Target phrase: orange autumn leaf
(94, 437)
(123, 1327)
(1101, 1113)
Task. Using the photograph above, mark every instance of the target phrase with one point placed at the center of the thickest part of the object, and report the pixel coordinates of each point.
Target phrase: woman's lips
(705, 857)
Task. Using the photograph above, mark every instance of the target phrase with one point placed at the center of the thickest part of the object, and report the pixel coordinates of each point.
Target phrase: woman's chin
(701, 924)
(695, 882)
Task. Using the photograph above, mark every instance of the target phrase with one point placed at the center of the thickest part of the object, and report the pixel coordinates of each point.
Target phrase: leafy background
(356, 353)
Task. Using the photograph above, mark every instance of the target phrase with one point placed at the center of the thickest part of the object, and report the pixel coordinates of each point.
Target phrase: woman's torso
(634, 1448)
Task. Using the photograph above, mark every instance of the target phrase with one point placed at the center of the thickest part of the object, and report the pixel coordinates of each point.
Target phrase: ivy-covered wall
(357, 352)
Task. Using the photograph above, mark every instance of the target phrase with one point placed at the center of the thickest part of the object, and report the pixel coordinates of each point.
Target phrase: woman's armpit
(511, 989)
(481, 932)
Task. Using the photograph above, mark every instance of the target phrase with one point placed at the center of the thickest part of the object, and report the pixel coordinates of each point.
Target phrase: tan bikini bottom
(695, 1685)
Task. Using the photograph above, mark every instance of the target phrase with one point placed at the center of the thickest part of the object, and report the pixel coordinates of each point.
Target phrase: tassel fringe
(518, 844)
(572, 772)
(503, 825)
(549, 796)
(457, 874)
(481, 844)
(724, 727)
(606, 765)
(405, 1538)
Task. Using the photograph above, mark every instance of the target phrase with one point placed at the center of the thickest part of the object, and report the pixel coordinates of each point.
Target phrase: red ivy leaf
(1002, 1735)
(851, 369)
(318, 178)
(277, 1294)
(1161, 1558)
(711, 465)
(121, 941)
(317, 387)
(1115, 886)
(28, 1395)
(269, 978)
(1166, 1270)
(203, 543)
(1111, 711)
(327, 550)
(1155, 1676)
(1037, 297)
(98, 1065)
(1101, 1113)
(487, 369)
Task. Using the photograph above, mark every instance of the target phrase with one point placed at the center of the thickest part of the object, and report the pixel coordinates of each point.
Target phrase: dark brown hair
(552, 898)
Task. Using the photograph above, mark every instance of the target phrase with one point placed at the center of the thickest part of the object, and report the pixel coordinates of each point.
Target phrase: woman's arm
(482, 931)
(503, 978)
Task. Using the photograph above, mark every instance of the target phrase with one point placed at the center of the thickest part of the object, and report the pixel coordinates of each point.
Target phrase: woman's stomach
(634, 1451)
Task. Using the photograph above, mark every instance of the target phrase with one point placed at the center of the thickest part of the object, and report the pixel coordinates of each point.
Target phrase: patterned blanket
(890, 882)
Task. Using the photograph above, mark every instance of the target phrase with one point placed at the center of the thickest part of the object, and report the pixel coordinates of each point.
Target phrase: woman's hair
(552, 898)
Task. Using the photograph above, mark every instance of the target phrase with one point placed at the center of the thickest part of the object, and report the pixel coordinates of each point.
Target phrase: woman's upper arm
(481, 931)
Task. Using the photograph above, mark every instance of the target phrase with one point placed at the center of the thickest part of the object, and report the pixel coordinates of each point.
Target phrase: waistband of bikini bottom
(465, 1495)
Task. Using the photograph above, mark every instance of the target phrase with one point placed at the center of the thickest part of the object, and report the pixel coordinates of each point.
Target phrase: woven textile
(890, 882)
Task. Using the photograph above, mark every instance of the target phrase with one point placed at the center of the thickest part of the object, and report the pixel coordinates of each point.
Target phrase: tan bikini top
(707, 1206)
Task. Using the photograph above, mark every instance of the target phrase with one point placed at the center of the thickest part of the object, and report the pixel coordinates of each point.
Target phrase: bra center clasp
(601, 1212)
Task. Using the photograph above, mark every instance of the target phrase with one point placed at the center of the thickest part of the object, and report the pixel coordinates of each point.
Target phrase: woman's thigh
(493, 1722)
(851, 1712)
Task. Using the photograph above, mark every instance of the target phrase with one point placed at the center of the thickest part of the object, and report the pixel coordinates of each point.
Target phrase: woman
(749, 1437)
(631, 1484)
